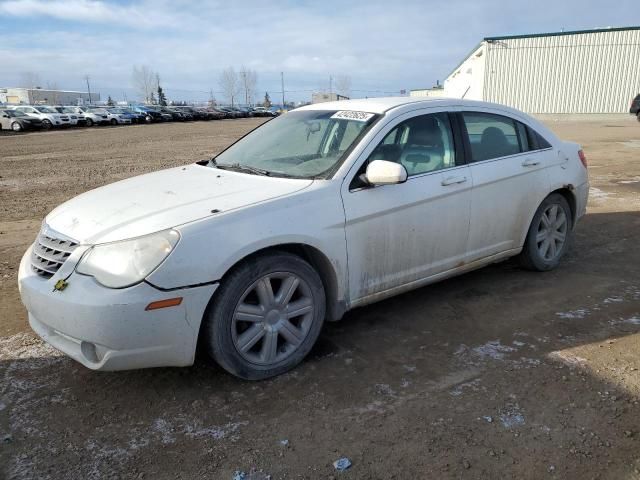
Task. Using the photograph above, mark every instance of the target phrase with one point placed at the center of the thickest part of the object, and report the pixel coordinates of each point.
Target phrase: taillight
(583, 158)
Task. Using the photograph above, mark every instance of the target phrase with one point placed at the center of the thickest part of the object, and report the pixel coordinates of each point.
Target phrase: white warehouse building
(34, 96)
(580, 72)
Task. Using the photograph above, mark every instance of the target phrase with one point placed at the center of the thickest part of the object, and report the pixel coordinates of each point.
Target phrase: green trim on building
(559, 34)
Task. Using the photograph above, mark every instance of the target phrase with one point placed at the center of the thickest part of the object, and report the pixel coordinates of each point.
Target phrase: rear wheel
(549, 234)
(266, 316)
(16, 127)
(46, 124)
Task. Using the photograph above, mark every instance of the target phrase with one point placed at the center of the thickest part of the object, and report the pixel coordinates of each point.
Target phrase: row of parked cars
(28, 117)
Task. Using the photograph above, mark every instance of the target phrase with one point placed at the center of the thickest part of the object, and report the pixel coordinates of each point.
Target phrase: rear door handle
(453, 180)
(530, 162)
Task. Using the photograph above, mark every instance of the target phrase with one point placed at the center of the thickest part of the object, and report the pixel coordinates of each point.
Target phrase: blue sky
(382, 46)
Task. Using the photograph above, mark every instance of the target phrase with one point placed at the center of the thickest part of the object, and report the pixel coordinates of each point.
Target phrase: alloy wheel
(272, 318)
(552, 232)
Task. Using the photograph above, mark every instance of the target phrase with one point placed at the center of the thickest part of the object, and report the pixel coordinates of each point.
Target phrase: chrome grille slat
(56, 244)
(49, 253)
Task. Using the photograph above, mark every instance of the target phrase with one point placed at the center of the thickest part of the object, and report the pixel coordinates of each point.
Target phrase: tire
(46, 124)
(16, 127)
(114, 122)
(241, 324)
(89, 122)
(148, 119)
(549, 235)
(638, 116)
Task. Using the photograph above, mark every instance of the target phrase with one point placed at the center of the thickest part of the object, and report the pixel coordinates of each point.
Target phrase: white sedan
(329, 207)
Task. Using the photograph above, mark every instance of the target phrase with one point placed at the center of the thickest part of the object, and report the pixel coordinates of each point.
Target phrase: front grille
(49, 253)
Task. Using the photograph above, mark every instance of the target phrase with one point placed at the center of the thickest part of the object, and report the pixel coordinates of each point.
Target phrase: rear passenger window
(538, 141)
(491, 136)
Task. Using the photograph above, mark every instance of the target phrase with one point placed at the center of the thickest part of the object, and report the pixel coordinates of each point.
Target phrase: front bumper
(109, 329)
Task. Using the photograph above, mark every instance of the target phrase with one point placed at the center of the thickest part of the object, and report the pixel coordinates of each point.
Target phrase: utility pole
(86, 77)
(282, 81)
(330, 85)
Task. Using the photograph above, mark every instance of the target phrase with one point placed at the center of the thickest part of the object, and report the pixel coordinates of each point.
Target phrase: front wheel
(266, 316)
(638, 116)
(549, 234)
(16, 127)
(114, 121)
(46, 124)
(89, 122)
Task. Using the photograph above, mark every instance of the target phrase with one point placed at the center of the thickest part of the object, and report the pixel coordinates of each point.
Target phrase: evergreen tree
(267, 101)
(162, 99)
(110, 101)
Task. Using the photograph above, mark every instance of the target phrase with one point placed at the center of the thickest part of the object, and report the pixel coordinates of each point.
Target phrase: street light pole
(282, 81)
(88, 88)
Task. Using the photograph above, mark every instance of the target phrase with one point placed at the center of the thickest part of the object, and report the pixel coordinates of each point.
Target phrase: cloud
(94, 11)
(383, 47)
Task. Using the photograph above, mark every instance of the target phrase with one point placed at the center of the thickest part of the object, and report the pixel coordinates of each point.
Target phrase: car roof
(384, 104)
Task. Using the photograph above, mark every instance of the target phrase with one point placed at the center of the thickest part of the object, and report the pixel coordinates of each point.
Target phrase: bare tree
(29, 80)
(230, 84)
(54, 97)
(145, 81)
(343, 85)
(248, 79)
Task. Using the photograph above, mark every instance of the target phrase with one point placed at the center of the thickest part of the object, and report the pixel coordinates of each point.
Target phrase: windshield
(45, 110)
(301, 144)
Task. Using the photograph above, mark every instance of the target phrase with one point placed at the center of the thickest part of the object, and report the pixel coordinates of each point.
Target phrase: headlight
(125, 263)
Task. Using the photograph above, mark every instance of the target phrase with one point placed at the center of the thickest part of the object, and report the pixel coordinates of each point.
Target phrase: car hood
(161, 200)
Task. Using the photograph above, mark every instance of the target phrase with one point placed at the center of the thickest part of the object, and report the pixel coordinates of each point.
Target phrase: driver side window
(422, 144)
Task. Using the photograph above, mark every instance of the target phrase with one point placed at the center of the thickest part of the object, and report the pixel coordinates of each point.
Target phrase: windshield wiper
(236, 167)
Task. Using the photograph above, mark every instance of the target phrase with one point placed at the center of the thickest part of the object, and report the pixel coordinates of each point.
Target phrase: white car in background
(90, 117)
(77, 117)
(50, 116)
(330, 207)
(111, 117)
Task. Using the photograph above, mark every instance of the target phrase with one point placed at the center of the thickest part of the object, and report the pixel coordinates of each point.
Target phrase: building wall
(581, 73)
(427, 92)
(36, 95)
(468, 78)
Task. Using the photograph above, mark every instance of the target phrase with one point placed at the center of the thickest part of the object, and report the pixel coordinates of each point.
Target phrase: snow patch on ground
(568, 358)
(572, 314)
(596, 193)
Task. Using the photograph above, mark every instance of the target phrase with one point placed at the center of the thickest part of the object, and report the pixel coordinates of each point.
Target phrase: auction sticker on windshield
(351, 115)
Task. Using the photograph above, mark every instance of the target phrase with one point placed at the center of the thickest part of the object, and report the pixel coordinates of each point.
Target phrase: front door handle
(530, 162)
(453, 180)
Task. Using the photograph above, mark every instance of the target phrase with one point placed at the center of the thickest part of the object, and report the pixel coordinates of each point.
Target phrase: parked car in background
(211, 113)
(90, 118)
(165, 117)
(197, 115)
(49, 116)
(405, 192)
(18, 121)
(176, 116)
(635, 107)
(76, 118)
(122, 114)
(136, 117)
(263, 112)
(150, 115)
(228, 111)
(112, 118)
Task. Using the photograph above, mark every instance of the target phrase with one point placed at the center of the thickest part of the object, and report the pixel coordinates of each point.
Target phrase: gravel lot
(500, 373)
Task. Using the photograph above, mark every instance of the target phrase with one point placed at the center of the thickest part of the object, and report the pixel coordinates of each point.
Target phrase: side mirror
(383, 172)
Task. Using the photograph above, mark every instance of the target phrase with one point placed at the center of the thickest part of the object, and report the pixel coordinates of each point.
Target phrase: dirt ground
(500, 373)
